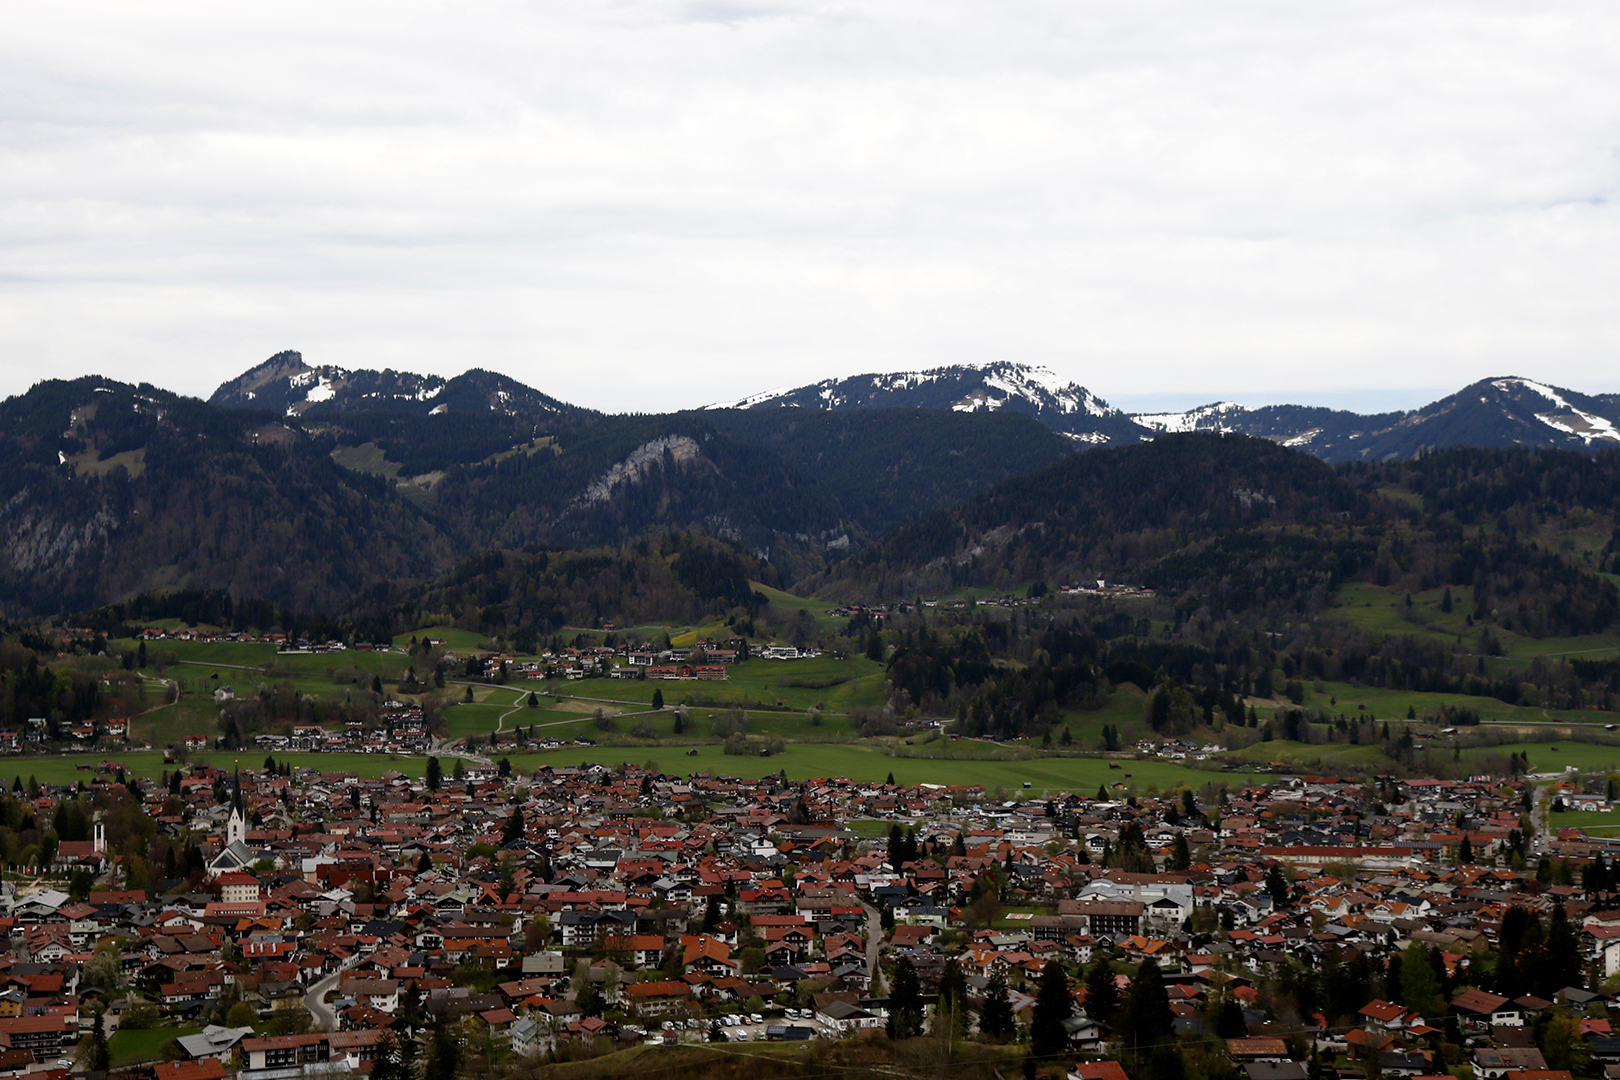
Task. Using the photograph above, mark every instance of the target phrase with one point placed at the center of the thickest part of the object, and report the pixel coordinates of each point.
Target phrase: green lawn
(790, 604)
(130, 1047)
(366, 458)
(455, 639)
(1335, 698)
(481, 718)
(791, 726)
(226, 657)
(63, 769)
(1126, 710)
(1327, 757)
(1586, 819)
(1588, 757)
(1300, 755)
(870, 827)
(1382, 610)
(837, 685)
(867, 763)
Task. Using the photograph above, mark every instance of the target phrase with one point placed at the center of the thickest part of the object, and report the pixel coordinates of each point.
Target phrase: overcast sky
(656, 205)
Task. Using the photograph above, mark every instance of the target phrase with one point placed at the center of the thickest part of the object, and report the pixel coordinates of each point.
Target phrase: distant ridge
(1497, 412)
(1001, 386)
(287, 385)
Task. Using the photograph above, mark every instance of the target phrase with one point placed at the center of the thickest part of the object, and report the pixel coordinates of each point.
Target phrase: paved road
(1540, 818)
(874, 939)
(314, 1001)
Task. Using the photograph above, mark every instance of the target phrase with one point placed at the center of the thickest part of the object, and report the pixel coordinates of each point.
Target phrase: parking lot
(741, 1027)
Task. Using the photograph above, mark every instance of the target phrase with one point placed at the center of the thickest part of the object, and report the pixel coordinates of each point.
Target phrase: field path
(168, 683)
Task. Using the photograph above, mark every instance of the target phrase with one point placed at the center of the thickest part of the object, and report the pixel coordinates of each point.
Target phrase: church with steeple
(236, 854)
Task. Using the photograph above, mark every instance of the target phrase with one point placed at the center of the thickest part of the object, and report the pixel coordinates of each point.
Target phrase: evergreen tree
(1277, 885)
(996, 1019)
(1053, 1005)
(1560, 962)
(953, 1003)
(1165, 1063)
(905, 1002)
(1229, 1022)
(1180, 854)
(514, 826)
(1145, 1019)
(1595, 878)
(97, 1059)
(658, 697)
(444, 1055)
(1420, 989)
(386, 1064)
(1102, 996)
(434, 774)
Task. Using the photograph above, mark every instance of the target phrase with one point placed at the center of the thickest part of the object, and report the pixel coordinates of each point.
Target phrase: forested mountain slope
(1231, 523)
(110, 489)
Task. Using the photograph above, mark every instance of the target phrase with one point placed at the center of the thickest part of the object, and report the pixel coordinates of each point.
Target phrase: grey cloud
(713, 195)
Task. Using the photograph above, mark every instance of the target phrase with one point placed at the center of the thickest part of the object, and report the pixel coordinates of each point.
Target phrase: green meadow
(1383, 610)
(865, 762)
(1590, 820)
(64, 768)
(1336, 697)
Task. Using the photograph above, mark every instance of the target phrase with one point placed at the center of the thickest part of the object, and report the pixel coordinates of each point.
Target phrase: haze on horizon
(659, 205)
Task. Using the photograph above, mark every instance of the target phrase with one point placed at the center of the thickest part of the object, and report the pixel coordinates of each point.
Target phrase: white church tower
(235, 829)
(100, 839)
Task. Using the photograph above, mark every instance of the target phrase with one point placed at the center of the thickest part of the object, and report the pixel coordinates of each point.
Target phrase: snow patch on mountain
(985, 387)
(1211, 417)
(1583, 425)
(753, 399)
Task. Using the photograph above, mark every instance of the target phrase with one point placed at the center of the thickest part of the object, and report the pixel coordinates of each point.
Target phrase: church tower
(235, 829)
(100, 838)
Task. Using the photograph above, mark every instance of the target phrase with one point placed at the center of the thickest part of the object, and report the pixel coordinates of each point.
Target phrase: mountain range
(1499, 411)
(1504, 411)
(306, 486)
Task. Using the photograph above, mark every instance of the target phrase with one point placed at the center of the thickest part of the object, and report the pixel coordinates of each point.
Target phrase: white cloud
(650, 205)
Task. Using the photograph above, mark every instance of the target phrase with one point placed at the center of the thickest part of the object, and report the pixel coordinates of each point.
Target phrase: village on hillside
(322, 922)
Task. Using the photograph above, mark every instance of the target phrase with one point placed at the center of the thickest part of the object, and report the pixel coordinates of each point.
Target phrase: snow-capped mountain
(1502, 411)
(1506, 411)
(1212, 417)
(1063, 406)
(285, 384)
